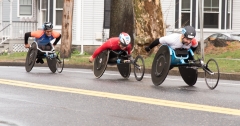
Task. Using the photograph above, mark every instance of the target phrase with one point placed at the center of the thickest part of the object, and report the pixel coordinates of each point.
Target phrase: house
(91, 18)
(20, 16)
(218, 16)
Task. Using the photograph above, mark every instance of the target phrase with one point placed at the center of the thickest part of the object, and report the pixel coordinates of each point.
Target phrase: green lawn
(228, 61)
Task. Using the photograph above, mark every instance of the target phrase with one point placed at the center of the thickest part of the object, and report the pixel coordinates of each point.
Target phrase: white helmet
(125, 39)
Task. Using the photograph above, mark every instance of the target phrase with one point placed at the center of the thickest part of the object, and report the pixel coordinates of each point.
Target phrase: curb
(175, 72)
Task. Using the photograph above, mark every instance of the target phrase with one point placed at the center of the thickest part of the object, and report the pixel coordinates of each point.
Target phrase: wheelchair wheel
(189, 75)
(60, 63)
(211, 74)
(30, 59)
(124, 69)
(160, 65)
(52, 64)
(100, 63)
(139, 68)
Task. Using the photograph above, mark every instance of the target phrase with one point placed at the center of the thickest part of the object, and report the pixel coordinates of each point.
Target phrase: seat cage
(179, 55)
(46, 53)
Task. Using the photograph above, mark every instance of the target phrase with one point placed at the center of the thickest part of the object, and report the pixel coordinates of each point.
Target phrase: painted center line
(130, 98)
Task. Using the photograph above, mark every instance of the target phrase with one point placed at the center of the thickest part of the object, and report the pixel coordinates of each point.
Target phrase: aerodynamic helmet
(125, 39)
(47, 26)
(189, 32)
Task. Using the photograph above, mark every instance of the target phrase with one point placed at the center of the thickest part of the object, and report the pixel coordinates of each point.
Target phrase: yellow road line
(138, 99)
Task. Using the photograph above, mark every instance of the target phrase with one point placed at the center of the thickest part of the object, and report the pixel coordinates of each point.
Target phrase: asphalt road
(76, 98)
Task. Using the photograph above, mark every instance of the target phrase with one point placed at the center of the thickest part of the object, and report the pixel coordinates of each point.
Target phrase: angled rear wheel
(31, 58)
(160, 65)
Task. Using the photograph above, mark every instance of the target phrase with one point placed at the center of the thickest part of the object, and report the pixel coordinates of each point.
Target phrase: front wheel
(60, 63)
(211, 73)
(139, 68)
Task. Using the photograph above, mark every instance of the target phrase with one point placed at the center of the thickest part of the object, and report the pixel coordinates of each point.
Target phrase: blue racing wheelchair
(166, 58)
(54, 60)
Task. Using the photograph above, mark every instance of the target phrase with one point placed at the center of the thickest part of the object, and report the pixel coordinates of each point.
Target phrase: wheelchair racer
(116, 44)
(43, 38)
(185, 40)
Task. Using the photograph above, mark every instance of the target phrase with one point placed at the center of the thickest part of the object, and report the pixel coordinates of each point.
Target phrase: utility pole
(66, 40)
(201, 27)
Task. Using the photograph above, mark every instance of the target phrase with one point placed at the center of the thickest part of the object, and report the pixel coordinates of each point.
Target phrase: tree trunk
(66, 40)
(148, 25)
(121, 19)
(141, 19)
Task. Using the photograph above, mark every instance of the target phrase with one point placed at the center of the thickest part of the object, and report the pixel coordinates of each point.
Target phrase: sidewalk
(223, 76)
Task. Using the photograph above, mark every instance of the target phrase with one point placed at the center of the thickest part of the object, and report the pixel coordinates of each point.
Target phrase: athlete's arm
(26, 36)
(103, 47)
(129, 48)
(57, 36)
(56, 40)
(194, 44)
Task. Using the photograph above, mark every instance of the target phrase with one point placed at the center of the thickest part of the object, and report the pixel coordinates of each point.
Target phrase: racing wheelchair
(123, 62)
(166, 58)
(54, 61)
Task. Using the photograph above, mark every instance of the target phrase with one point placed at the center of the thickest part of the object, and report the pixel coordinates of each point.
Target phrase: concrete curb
(223, 76)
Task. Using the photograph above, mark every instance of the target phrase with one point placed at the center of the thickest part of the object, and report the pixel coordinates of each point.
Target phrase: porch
(12, 35)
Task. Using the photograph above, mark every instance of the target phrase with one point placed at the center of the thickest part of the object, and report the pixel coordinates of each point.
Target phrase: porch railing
(3, 36)
(19, 28)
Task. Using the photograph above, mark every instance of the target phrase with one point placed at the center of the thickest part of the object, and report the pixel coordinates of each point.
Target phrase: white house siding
(92, 22)
(236, 17)
(76, 16)
(6, 10)
(168, 10)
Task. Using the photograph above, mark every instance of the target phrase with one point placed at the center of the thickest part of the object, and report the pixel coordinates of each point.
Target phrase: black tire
(60, 63)
(160, 65)
(30, 59)
(100, 63)
(212, 74)
(124, 69)
(52, 64)
(189, 75)
(139, 68)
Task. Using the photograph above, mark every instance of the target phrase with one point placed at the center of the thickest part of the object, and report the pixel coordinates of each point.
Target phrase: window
(107, 10)
(229, 8)
(185, 13)
(59, 12)
(211, 13)
(44, 12)
(25, 7)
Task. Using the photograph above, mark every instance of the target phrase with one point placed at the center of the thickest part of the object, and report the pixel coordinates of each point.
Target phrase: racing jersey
(42, 39)
(175, 41)
(111, 44)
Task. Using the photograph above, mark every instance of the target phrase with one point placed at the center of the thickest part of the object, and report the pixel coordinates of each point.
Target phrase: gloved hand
(147, 49)
(130, 58)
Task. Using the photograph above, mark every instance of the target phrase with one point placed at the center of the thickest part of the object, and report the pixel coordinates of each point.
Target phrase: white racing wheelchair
(166, 58)
(54, 61)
